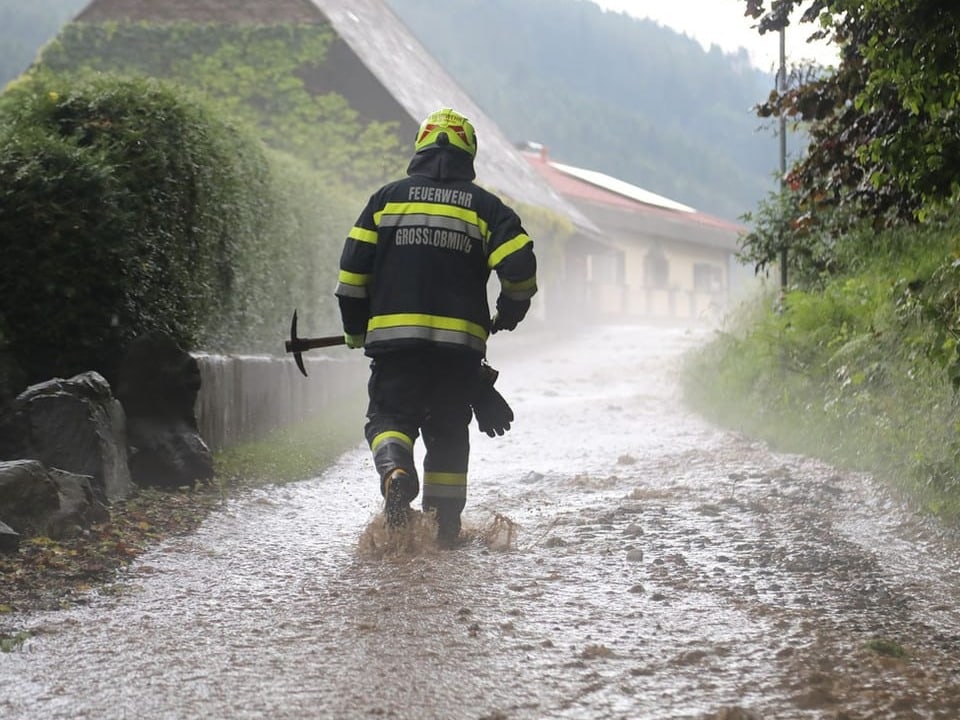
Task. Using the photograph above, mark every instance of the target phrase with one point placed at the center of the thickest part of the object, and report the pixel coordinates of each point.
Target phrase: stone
(168, 453)
(157, 378)
(75, 425)
(35, 500)
(157, 385)
(78, 509)
(27, 495)
(9, 539)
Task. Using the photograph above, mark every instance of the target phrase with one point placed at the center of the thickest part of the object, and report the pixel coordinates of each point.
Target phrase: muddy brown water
(623, 559)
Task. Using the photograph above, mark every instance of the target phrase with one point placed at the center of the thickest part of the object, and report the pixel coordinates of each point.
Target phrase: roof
(202, 11)
(395, 65)
(421, 85)
(593, 189)
(621, 188)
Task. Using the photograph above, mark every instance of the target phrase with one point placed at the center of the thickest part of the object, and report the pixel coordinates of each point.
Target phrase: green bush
(128, 207)
(861, 370)
(274, 77)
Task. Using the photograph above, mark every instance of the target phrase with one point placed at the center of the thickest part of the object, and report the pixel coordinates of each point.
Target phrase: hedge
(128, 206)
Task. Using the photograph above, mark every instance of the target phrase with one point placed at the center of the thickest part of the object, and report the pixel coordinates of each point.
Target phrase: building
(634, 255)
(386, 75)
(376, 64)
(652, 259)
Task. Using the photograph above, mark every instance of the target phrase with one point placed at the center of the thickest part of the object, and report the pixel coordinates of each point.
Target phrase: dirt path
(626, 560)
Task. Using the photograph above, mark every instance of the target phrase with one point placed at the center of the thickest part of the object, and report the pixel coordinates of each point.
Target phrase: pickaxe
(297, 345)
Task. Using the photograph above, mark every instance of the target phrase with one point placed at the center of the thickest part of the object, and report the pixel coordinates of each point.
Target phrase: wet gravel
(623, 559)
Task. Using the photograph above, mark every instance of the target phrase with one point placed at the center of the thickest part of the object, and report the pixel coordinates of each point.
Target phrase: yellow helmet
(446, 127)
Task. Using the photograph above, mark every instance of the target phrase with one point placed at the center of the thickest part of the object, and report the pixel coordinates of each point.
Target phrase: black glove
(499, 322)
(509, 313)
(491, 410)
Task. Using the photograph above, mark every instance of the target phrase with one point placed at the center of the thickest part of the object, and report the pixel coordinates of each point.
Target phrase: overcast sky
(721, 22)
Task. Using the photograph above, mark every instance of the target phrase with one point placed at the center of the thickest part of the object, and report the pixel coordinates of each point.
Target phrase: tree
(884, 125)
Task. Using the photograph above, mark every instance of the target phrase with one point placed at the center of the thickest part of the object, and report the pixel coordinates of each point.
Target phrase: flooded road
(624, 559)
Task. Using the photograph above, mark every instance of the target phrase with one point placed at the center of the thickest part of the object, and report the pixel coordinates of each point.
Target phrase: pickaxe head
(293, 345)
(297, 345)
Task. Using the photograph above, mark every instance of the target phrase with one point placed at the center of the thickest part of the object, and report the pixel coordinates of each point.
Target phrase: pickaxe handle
(297, 345)
(302, 344)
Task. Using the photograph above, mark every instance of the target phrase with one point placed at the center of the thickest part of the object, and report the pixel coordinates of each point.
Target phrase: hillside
(610, 92)
(600, 89)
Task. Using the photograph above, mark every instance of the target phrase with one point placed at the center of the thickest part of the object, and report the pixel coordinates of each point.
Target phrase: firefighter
(412, 291)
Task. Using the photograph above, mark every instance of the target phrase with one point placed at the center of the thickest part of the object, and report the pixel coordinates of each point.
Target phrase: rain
(621, 559)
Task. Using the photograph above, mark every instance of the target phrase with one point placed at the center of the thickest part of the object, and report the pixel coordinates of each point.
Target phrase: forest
(609, 92)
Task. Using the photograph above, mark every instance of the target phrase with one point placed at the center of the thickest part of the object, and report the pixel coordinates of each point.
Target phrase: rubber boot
(399, 490)
(447, 512)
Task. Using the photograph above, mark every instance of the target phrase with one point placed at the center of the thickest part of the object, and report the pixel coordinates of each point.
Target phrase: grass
(9, 643)
(296, 452)
(889, 648)
(856, 371)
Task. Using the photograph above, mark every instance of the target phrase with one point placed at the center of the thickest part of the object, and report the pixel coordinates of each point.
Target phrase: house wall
(689, 282)
(695, 286)
(624, 281)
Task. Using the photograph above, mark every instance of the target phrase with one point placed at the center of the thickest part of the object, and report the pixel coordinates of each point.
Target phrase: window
(656, 269)
(707, 277)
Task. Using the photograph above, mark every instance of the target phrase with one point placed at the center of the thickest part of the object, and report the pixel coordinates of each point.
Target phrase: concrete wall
(242, 398)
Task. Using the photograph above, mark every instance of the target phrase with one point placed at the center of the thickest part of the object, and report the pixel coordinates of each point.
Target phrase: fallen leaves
(47, 574)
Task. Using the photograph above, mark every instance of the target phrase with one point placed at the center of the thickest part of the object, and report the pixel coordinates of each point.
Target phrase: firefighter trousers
(423, 391)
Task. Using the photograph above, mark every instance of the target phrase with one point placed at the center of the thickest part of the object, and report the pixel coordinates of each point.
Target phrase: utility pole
(782, 87)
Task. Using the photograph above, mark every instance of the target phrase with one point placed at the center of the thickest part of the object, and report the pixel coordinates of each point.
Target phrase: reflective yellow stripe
(439, 478)
(508, 248)
(391, 435)
(362, 235)
(437, 322)
(350, 278)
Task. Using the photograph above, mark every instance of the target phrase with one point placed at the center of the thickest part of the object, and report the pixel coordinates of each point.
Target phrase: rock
(157, 385)
(167, 453)
(75, 425)
(9, 539)
(79, 506)
(35, 500)
(27, 496)
(12, 378)
(156, 378)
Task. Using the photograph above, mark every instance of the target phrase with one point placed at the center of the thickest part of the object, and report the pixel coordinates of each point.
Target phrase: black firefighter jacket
(415, 266)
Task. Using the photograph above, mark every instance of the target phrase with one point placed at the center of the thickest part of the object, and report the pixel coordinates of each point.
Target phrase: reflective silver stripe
(406, 332)
(432, 221)
(355, 291)
(444, 491)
